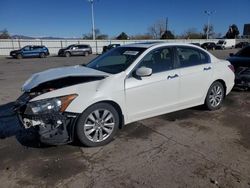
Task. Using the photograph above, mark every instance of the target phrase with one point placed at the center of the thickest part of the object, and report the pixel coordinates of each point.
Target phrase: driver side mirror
(143, 72)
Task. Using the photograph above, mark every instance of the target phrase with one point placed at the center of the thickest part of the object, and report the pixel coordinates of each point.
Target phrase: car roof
(159, 44)
(34, 46)
(143, 45)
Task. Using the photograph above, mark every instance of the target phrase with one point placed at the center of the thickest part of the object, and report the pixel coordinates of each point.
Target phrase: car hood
(63, 72)
(14, 51)
(238, 58)
(62, 49)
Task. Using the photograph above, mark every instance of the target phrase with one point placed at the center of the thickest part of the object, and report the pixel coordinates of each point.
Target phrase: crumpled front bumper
(54, 128)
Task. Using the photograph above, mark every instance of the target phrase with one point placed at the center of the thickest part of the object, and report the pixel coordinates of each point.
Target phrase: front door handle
(207, 68)
(171, 77)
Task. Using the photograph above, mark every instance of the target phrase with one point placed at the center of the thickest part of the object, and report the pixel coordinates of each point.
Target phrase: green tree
(122, 36)
(233, 32)
(167, 35)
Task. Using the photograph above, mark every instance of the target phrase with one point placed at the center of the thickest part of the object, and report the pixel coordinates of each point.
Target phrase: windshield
(116, 60)
(69, 47)
(221, 42)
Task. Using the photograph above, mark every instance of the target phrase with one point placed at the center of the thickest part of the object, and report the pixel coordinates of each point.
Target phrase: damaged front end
(48, 117)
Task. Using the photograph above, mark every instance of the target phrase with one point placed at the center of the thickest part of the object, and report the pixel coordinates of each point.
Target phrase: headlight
(46, 106)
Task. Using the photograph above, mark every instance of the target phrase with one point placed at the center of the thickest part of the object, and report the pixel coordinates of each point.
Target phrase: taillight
(231, 67)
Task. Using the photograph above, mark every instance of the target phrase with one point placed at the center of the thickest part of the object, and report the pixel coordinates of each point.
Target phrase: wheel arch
(112, 103)
(115, 105)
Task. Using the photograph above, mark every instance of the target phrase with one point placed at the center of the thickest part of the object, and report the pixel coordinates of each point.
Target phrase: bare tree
(157, 29)
(98, 35)
(209, 30)
(142, 36)
(4, 34)
(192, 33)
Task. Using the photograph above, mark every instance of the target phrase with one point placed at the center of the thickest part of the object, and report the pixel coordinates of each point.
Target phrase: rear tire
(86, 53)
(97, 125)
(215, 96)
(42, 55)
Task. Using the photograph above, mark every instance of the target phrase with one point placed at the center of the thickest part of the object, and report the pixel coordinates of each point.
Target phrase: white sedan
(124, 85)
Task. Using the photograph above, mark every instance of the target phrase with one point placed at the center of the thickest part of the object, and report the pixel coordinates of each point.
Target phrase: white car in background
(126, 84)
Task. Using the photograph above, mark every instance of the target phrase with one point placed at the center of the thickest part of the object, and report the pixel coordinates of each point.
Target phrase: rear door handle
(172, 77)
(207, 68)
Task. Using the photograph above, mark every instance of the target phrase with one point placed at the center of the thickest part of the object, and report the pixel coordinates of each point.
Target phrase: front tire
(19, 56)
(215, 96)
(97, 125)
(67, 54)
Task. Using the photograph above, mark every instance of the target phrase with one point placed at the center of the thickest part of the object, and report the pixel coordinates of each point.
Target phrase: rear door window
(188, 57)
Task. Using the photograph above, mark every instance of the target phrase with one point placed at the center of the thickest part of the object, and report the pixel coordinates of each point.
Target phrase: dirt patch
(179, 115)
(242, 124)
(192, 125)
(237, 116)
(136, 130)
(57, 169)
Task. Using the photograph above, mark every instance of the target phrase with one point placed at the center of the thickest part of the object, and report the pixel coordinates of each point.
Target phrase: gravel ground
(189, 148)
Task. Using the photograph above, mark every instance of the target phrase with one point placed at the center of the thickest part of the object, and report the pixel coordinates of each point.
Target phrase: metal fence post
(19, 45)
(96, 47)
(12, 44)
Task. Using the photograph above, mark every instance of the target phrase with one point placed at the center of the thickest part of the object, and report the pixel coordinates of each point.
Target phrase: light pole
(93, 19)
(208, 13)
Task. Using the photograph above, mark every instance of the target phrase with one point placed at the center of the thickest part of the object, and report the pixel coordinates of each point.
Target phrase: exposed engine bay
(48, 116)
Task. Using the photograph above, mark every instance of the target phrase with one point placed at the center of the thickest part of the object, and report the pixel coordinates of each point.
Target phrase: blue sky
(72, 18)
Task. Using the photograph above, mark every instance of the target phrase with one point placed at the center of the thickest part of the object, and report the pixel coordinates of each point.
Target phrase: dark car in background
(30, 51)
(75, 49)
(209, 46)
(109, 47)
(196, 43)
(241, 63)
(241, 44)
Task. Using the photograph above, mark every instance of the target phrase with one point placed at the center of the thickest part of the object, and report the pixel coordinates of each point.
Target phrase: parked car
(241, 63)
(209, 46)
(196, 43)
(241, 58)
(124, 85)
(226, 44)
(30, 51)
(242, 78)
(109, 47)
(75, 49)
(241, 44)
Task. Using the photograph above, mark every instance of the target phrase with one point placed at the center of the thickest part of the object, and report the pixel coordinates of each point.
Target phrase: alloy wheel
(99, 125)
(216, 96)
